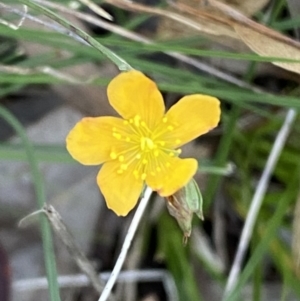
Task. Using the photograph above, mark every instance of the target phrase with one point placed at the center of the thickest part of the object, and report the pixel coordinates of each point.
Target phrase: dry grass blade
(97, 9)
(216, 18)
(131, 6)
(259, 38)
(247, 7)
(267, 46)
(81, 260)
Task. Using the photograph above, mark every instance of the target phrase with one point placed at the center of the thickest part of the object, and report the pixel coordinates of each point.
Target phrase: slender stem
(126, 245)
(41, 198)
(122, 64)
(79, 257)
(257, 200)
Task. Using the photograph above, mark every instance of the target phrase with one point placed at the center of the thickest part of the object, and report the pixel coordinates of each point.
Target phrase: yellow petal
(92, 140)
(121, 191)
(132, 93)
(190, 117)
(170, 174)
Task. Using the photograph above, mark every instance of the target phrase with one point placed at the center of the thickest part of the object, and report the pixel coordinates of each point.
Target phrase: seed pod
(183, 204)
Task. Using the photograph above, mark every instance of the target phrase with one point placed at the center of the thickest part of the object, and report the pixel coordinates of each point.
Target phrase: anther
(149, 143)
(145, 161)
(144, 176)
(158, 169)
(113, 155)
(136, 174)
(170, 128)
(117, 135)
(137, 119)
(165, 119)
(121, 158)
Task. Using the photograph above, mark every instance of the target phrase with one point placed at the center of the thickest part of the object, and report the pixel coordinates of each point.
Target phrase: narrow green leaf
(41, 200)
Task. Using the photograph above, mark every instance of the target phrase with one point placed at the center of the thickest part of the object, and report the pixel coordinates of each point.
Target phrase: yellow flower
(143, 145)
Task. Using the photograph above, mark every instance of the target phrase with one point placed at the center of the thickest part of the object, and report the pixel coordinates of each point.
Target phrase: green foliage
(247, 148)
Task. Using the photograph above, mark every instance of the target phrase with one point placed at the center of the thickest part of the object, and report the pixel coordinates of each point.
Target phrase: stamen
(147, 143)
(113, 155)
(165, 119)
(145, 161)
(136, 174)
(158, 169)
(120, 171)
(156, 153)
(144, 176)
(143, 143)
(170, 127)
(137, 119)
(121, 158)
(117, 135)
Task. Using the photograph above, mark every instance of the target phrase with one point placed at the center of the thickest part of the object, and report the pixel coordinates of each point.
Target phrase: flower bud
(183, 204)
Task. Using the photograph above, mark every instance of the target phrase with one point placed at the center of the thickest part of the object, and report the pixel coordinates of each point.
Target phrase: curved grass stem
(73, 30)
(41, 199)
(257, 201)
(126, 245)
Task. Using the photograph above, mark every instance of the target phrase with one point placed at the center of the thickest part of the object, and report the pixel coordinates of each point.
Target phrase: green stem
(41, 199)
(122, 64)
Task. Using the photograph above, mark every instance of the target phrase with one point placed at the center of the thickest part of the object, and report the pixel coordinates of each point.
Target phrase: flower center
(143, 147)
(147, 144)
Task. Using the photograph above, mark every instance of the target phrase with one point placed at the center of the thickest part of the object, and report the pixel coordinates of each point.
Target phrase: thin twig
(257, 201)
(96, 9)
(126, 245)
(81, 260)
(66, 237)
